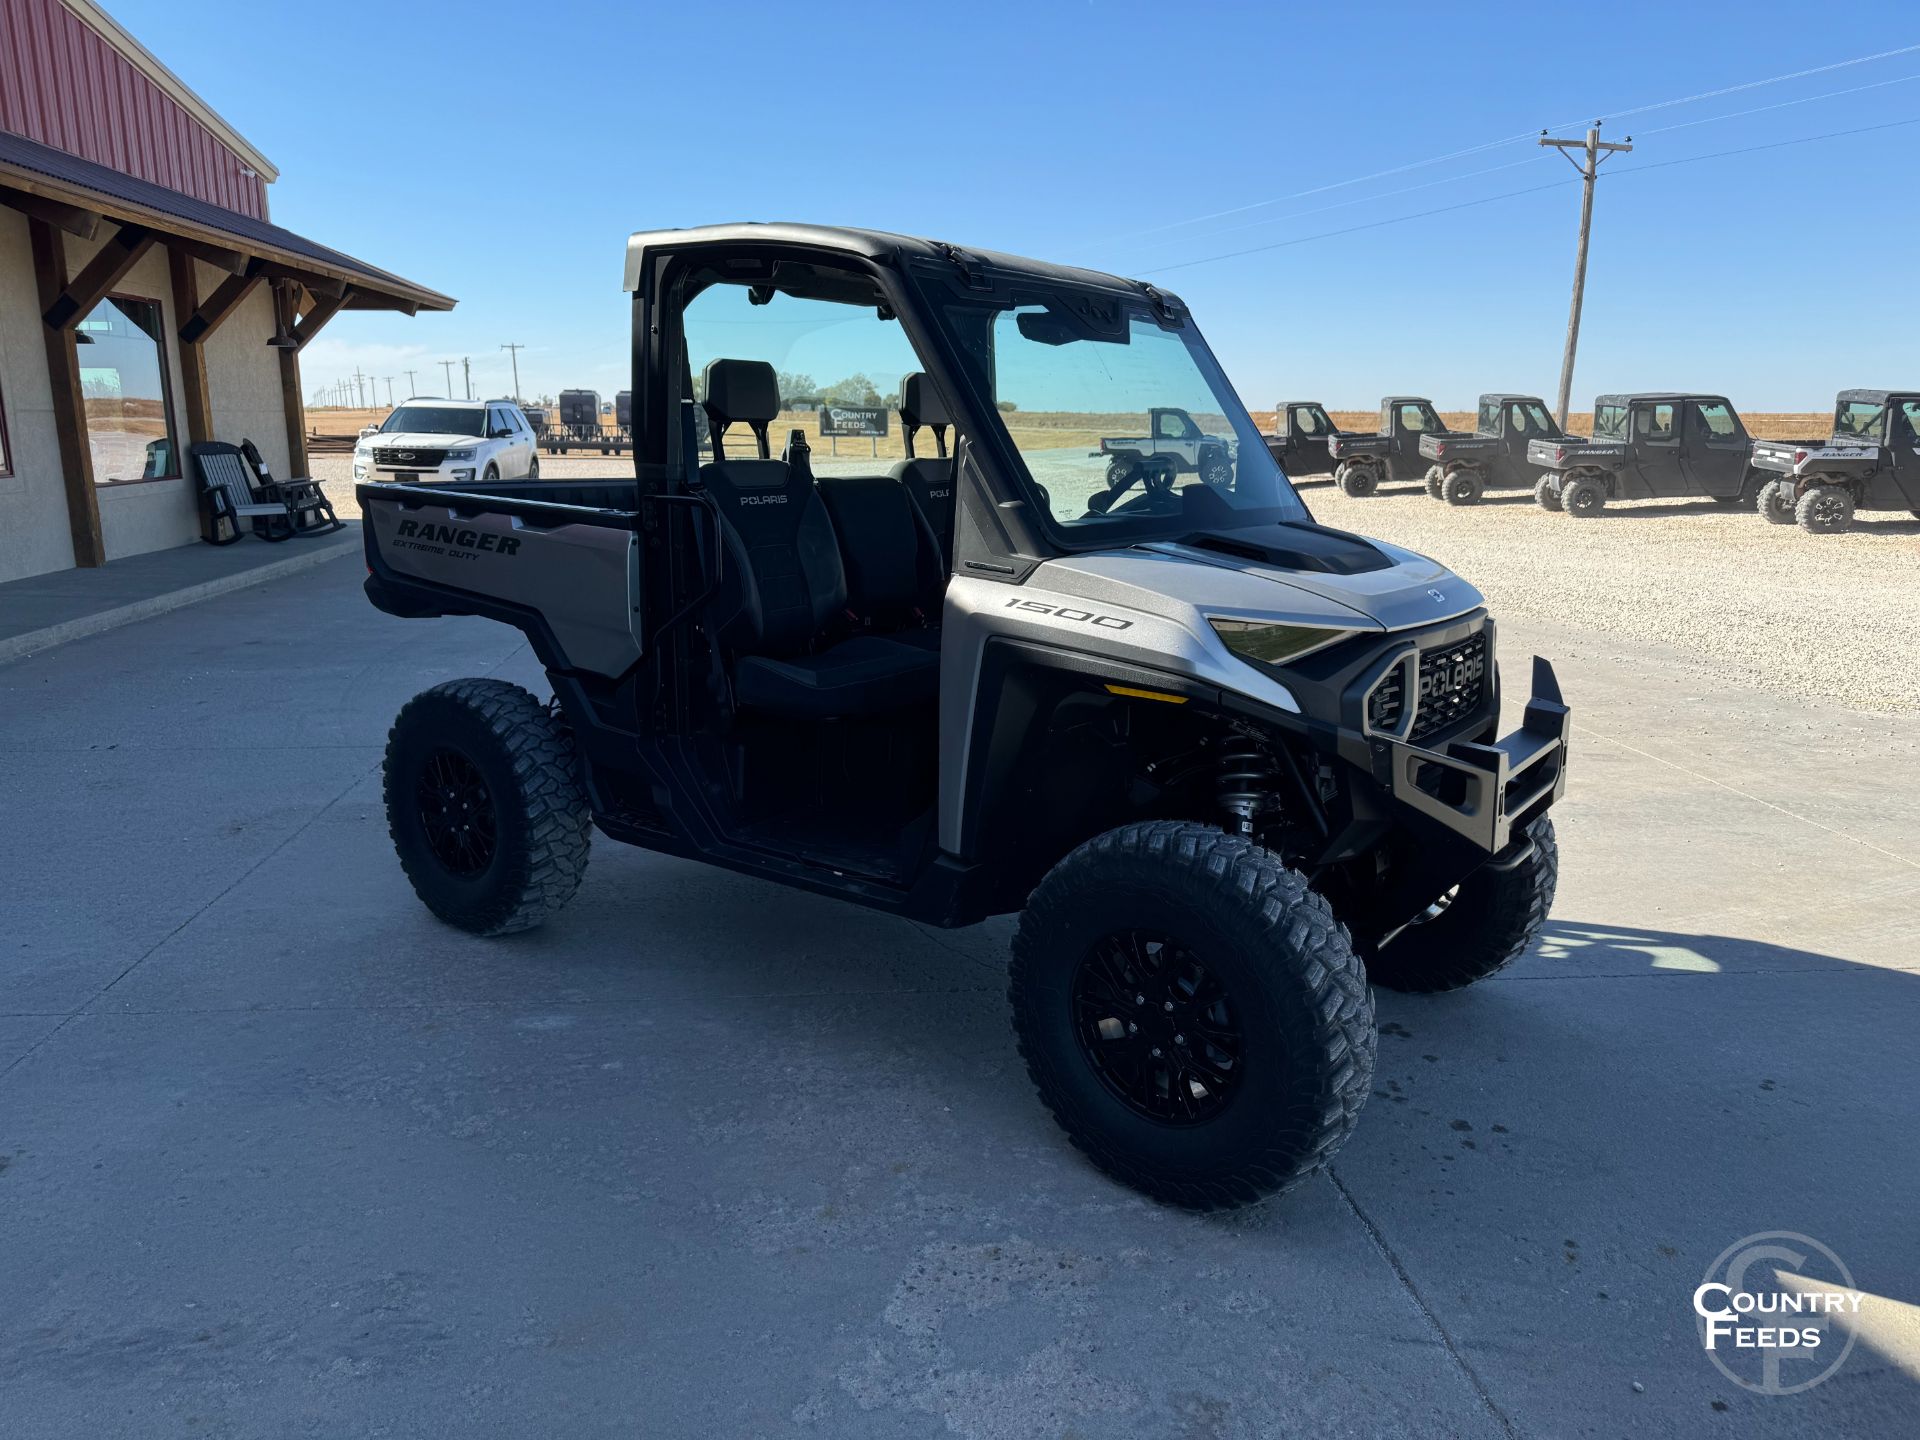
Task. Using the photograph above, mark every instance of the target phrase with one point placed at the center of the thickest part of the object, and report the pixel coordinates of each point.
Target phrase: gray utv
(1871, 462)
(1226, 765)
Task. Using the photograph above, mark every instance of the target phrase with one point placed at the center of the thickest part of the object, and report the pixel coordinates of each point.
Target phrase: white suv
(457, 440)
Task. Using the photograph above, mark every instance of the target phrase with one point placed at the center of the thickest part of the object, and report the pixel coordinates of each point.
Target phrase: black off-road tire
(1489, 922)
(1298, 992)
(1547, 493)
(1462, 487)
(1583, 497)
(1776, 501)
(524, 758)
(1825, 510)
(1359, 481)
(1434, 478)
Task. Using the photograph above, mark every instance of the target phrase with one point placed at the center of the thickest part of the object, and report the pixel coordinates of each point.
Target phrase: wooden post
(193, 355)
(1594, 151)
(286, 301)
(69, 403)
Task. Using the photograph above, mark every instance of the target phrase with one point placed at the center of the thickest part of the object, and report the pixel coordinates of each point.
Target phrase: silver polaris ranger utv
(1227, 765)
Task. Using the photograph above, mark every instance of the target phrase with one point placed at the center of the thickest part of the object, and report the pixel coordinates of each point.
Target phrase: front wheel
(1479, 927)
(1435, 475)
(1192, 1013)
(533, 468)
(485, 805)
(1777, 502)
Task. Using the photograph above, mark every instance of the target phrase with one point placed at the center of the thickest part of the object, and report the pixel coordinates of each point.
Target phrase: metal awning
(75, 194)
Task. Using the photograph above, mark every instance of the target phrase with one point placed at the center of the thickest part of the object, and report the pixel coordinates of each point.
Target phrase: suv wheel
(490, 474)
(1825, 510)
(1479, 927)
(1776, 501)
(1547, 493)
(533, 468)
(1583, 498)
(485, 805)
(1462, 487)
(1358, 481)
(1192, 1013)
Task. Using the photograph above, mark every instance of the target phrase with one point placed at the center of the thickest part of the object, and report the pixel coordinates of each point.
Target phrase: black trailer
(578, 427)
(1495, 455)
(1871, 462)
(1655, 446)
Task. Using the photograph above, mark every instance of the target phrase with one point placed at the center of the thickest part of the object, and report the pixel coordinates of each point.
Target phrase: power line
(1782, 105)
(1530, 190)
(1749, 85)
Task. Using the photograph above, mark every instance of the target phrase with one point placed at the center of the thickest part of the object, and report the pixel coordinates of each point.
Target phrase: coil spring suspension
(1246, 779)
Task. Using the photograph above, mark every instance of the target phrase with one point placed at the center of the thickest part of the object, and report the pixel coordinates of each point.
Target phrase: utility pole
(447, 365)
(513, 353)
(359, 389)
(1594, 150)
(412, 389)
(389, 380)
(466, 371)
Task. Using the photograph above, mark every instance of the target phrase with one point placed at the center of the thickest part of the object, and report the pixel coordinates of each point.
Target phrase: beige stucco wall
(33, 500)
(243, 375)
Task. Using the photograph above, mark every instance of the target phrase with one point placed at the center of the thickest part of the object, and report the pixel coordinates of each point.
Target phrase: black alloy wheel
(456, 813)
(1158, 1028)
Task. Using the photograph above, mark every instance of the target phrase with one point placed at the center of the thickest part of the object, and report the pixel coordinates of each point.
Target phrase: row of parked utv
(1643, 447)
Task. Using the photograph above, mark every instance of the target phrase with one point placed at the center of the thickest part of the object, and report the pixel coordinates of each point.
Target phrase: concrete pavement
(280, 1154)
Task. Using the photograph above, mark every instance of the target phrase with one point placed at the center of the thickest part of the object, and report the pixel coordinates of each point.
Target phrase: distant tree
(1007, 407)
(854, 390)
(797, 386)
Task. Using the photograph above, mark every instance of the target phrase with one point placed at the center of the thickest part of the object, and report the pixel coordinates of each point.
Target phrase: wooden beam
(219, 305)
(326, 285)
(234, 262)
(69, 404)
(324, 309)
(193, 358)
(286, 302)
(107, 269)
(70, 218)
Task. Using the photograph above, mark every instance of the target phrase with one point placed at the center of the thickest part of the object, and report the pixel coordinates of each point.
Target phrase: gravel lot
(1830, 619)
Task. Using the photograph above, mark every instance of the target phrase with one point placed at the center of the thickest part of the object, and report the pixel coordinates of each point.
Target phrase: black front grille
(1453, 681)
(1388, 702)
(409, 459)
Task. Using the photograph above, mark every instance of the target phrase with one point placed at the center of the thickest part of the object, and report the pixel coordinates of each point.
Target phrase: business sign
(853, 419)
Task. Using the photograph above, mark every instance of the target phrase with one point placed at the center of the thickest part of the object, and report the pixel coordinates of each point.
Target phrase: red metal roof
(64, 85)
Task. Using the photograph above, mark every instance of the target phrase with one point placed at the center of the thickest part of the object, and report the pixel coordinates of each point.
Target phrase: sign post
(867, 420)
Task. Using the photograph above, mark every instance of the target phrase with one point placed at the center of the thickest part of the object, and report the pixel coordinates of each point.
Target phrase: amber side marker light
(1136, 693)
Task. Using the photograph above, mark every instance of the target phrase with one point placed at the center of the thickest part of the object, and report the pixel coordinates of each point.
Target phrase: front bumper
(1485, 793)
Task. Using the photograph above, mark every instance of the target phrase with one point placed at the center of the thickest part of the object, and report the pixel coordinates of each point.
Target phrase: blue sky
(1091, 133)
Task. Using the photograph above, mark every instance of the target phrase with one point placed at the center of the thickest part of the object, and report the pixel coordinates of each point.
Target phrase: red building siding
(63, 85)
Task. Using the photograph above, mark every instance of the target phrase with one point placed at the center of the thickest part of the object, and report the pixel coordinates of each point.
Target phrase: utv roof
(1405, 400)
(1657, 395)
(1501, 397)
(865, 244)
(1871, 397)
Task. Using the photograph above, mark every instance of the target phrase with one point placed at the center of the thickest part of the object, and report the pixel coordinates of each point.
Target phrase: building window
(123, 377)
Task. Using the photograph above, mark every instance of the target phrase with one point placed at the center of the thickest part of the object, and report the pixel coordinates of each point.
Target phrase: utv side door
(1903, 447)
(1521, 423)
(1714, 448)
(1308, 427)
(1653, 469)
(1410, 420)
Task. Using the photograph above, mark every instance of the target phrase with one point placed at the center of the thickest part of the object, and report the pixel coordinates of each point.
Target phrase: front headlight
(1274, 642)
(460, 454)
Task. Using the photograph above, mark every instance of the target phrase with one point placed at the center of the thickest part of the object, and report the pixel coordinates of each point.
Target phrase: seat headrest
(921, 403)
(742, 390)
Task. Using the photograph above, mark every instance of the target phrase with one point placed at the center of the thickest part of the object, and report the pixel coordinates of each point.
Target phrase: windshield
(1609, 422)
(1128, 426)
(1860, 420)
(434, 420)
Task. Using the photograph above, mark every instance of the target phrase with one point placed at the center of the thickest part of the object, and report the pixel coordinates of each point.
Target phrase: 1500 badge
(1063, 612)
(452, 540)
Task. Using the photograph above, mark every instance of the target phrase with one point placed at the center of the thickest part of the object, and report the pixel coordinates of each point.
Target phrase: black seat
(928, 480)
(786, 586)
(894, 572)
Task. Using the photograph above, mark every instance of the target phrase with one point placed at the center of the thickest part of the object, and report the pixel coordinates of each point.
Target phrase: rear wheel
(1776, 501)
(1547, 493)
(1478, 928)
(1583, 498)
(1462, 487)
(1825, 510)
(1358, 481)
(1434, 476)
(1216, 470)
(485, 805)
(1192, 1013)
